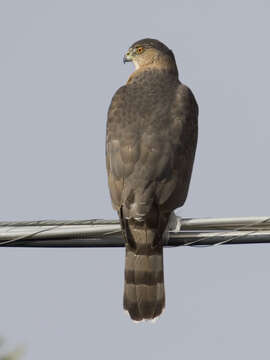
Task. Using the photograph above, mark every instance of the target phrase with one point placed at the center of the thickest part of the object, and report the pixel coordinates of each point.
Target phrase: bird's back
(151, 142)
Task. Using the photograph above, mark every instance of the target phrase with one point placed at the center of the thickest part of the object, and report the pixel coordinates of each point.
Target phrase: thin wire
(228, 231)
(242, 235)
(57, 222)
(11, 241)
(28, 236)
(92, 222)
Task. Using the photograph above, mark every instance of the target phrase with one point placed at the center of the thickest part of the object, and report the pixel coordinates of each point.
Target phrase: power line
(107, 233)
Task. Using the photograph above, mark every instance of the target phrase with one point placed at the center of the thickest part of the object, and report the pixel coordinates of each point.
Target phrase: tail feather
(144, 295)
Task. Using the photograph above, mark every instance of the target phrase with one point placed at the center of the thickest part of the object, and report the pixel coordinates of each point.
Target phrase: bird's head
(150, 52)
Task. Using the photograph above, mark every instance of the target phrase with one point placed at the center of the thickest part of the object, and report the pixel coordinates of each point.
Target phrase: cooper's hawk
(150, 148)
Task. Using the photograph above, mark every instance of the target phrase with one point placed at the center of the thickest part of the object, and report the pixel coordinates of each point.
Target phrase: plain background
(60, 63)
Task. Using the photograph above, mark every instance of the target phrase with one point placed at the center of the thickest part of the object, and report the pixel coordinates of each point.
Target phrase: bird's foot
(174, 223)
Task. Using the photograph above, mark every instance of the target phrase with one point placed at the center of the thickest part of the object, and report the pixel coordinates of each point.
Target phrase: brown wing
(150, 147)
(183, 137)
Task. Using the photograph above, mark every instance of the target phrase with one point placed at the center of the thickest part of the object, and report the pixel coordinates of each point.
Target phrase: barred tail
(144, 295)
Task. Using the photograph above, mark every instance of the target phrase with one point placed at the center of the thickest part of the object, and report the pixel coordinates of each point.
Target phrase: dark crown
(152, 43)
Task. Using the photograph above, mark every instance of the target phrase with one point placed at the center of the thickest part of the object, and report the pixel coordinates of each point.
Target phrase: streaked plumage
(150, 147)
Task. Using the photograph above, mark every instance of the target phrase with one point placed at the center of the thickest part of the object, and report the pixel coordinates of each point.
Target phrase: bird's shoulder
(185, 100)
(118, 98)
(184, 119)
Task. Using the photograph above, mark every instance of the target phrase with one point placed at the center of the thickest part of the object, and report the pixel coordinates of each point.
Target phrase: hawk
(150, 147)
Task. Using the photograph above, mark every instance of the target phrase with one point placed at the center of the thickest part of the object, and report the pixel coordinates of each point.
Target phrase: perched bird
(150, 146)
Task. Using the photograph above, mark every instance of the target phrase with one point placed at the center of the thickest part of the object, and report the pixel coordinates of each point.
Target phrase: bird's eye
(139, 50)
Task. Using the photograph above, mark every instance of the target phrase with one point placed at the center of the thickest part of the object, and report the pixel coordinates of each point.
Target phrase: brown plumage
(150, 147)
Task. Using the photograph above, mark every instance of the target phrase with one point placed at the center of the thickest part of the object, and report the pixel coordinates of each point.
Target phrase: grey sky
(60, 63)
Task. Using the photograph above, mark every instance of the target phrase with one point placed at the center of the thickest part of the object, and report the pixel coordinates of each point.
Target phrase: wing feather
(150, 155)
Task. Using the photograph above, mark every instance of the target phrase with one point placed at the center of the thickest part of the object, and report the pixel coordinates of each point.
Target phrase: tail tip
(137, 320)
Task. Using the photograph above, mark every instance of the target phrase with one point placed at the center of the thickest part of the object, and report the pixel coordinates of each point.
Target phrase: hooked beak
(127, 57)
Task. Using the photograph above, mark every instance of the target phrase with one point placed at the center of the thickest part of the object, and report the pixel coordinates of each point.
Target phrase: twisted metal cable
(107, 233)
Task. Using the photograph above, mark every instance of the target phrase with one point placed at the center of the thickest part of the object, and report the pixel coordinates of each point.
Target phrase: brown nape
(155, 59)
